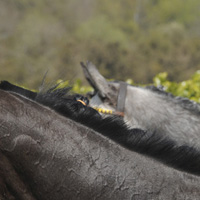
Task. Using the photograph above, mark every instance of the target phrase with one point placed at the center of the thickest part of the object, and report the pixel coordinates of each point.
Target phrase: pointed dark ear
(98, 82)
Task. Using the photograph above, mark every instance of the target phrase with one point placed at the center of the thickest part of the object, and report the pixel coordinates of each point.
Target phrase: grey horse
(148, 108)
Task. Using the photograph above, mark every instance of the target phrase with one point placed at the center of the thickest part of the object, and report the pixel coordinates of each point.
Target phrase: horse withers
(49, 157)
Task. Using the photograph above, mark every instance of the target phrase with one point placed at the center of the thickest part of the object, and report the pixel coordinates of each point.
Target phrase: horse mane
(153, 144)
(183, 102)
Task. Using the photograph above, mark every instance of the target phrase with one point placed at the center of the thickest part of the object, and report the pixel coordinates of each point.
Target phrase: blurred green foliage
(77, 87)
(124, 39)
(189, 89)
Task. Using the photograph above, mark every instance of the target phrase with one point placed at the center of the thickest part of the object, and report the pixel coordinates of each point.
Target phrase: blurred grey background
(125, 39)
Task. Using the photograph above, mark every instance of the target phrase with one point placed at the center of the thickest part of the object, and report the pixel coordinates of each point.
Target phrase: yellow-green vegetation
(77, 86)
(189, 88)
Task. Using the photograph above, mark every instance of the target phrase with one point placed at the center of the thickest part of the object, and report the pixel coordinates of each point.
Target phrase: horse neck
(148, 110)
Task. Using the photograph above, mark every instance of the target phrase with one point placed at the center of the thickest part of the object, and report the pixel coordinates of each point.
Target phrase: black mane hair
(153, 144)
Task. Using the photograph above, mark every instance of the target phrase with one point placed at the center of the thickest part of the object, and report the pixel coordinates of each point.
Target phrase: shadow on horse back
(54, 157)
